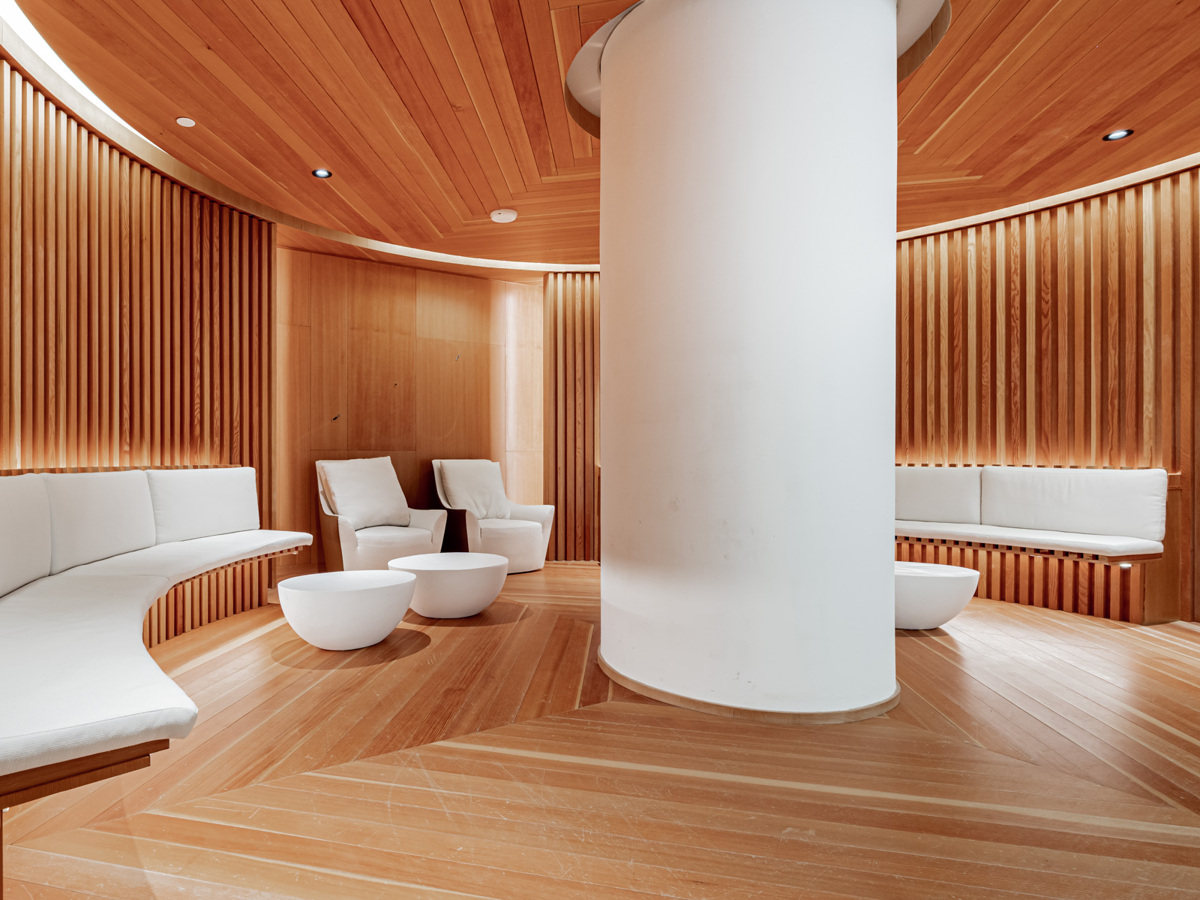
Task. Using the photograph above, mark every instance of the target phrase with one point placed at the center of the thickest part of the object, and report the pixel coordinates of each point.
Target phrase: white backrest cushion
(1126, 502)
(95, 515)
(192, 503)
(24, 531)
(365, 491)
(475, 485)
(938, 493)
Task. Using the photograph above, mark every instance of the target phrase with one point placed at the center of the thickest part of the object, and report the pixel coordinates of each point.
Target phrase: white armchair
(494, 523)
(365, 519)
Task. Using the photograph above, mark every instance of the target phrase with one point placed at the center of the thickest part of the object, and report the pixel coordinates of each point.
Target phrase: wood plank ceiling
(431, 113)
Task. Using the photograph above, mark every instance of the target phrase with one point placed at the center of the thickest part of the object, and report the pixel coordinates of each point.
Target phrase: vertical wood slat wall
(572, 413)
(135, 325)
(1063, 337)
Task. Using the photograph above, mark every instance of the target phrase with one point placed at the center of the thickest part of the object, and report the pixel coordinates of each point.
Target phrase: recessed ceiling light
(185, 122)
(322, 173)
(1118, 135)
(504, 215)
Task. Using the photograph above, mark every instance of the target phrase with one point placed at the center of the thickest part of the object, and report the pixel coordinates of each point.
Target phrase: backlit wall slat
(135, 324)
(1063, 337)
(572, 413)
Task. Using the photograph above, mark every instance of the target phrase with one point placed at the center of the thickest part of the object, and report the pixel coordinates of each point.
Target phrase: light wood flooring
(1033, 753)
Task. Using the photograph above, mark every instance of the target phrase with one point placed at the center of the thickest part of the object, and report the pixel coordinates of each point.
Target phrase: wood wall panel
(1063, 337)
(572, 414)
(135, 324)
(384, 360)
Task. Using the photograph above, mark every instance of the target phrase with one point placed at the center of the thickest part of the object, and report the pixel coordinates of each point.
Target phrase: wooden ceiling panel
(1016, 99)
(431, 113)
(568, 38)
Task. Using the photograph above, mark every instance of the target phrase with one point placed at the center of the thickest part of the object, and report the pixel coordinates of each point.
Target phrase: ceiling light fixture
(503, 216)
(185, 122)
(322, 173)
(1118, 135)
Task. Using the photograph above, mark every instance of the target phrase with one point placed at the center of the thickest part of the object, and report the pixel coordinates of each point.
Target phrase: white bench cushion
(24, 531)
(78, 679)
(181, 560)
(94, 515)
(192, 503)
(1065, 541)
(938, 493)
(365, 491)
(1122, 502)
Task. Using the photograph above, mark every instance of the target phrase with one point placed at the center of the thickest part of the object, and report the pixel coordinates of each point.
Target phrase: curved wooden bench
(83, 556)
(1071, 539)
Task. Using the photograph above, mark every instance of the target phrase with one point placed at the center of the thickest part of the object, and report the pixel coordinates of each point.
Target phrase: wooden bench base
(33, 784)
(209, 597)
(1125, 590)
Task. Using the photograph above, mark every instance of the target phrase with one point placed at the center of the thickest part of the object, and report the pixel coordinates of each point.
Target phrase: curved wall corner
(747, 353)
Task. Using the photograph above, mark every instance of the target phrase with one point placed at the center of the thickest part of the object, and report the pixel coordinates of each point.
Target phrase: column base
(773, 717)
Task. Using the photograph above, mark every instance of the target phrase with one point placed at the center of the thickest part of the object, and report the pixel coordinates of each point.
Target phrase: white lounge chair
(365, 518)
(494, 523)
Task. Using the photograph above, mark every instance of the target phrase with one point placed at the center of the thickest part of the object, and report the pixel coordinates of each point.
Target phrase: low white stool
(453, 585)
(930, 595)
(346, 610)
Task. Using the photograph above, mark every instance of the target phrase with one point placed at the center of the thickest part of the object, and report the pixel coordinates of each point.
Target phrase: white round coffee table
(346, 610)
(929, 595)
(453, 585)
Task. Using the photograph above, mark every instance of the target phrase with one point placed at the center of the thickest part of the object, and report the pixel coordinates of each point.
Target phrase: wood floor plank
(24, 890)
(679, 826)
(1033, 754)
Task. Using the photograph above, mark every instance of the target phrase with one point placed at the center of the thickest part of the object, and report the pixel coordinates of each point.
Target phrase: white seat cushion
(938, 493)
(1065, 541)
(106, 692)
(475, 485)
(181, 560)
(24, 531)
(378, 545)
(1123, 502)
(94, 515)
(192, 503)
(365, 491)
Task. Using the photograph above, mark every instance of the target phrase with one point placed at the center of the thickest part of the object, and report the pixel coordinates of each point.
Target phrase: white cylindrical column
(748, 197)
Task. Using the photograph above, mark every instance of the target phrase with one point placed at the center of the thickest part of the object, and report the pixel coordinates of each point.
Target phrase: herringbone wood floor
(1033, 753)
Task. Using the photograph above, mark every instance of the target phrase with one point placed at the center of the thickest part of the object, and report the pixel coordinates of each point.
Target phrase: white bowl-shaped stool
(346, 610)
(453, 585)
(930, 595)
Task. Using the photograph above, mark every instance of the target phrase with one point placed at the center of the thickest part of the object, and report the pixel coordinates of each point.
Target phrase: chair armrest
(433, 521)
(341, 544)
(426, 518)
(542, 514)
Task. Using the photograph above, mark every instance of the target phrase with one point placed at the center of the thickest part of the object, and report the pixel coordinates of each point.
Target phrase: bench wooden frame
(33, 784)
(1135, 589)
(42, 781)
(1142, 589)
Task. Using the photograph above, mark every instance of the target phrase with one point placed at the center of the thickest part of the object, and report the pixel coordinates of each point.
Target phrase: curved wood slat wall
(1063, 337)
(135, 324)
(572, 414)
